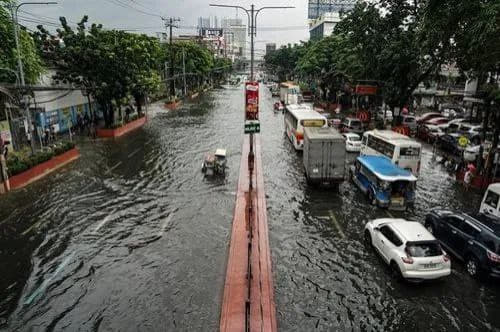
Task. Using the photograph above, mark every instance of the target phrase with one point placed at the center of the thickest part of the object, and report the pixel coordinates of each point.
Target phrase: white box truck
(324, 156)
(290, 93)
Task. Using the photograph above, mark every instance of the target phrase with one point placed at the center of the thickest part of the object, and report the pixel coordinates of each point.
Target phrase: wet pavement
(132, 237)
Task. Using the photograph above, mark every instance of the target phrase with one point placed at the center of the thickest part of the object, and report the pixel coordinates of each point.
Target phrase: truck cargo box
(324, 156)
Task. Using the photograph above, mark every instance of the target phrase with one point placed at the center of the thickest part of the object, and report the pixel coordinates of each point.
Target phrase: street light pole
(13, 10)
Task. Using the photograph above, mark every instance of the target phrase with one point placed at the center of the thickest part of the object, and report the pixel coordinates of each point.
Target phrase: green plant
(21, 161)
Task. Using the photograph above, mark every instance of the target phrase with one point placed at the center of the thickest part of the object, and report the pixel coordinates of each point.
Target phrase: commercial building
(323, 25)
(270, 47)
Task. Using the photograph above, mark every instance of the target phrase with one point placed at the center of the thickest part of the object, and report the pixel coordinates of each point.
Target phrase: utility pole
(184, 69)
(169, 24)
(252, 22)
(13, 11)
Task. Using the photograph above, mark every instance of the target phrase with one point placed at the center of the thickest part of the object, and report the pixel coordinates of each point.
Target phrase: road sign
(252, 126)
(463, 141)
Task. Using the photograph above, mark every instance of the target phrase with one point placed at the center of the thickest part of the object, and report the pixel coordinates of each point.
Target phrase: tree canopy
(32, 62)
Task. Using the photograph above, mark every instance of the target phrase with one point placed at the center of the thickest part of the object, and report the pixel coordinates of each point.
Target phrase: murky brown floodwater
(132, 238)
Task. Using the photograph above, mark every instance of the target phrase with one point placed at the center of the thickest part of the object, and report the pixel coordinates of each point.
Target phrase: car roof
(411, 231)
(383, 168)
(351, 135)
(491, 222)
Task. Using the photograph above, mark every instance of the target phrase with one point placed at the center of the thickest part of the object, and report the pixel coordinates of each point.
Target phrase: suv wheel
(396, 271)
(368, 239)
(472, 266)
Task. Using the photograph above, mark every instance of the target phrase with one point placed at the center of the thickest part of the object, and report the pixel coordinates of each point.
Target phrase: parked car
(429, 133)
(351, 125)
(410, 250)
(437, 121)
(388, 115)
(451, 126)
(449, 143)
(469, 129)
(491, 199)
(474, 240)
(352, 142)
(427, 116)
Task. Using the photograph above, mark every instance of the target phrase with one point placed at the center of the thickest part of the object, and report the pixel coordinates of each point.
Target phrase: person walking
(467, 179)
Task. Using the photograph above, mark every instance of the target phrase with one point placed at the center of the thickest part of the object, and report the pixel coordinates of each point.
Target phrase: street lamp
(252, 24)
(13, 72)
(13, 10)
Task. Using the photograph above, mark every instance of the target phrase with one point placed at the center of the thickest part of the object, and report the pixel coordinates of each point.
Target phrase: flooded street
(131, 237)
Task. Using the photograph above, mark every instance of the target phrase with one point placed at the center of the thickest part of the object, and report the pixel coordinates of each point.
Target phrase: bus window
(409, 152)
(313, 123)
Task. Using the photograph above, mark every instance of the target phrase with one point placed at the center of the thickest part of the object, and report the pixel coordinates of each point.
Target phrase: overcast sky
(281, 26)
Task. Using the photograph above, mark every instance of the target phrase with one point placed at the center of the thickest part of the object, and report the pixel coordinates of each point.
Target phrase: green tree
(111, 65)
(32, 62)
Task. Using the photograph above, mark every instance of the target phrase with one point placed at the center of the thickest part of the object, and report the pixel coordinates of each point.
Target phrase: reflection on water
(142, 245)
(326, 279)
(131, 236)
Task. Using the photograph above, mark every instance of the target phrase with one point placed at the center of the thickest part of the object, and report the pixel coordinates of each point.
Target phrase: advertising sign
(252, 126)
(5, 132)
(366, 90)
(251, 101)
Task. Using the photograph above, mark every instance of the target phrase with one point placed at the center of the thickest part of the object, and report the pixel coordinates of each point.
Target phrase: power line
(128, 6)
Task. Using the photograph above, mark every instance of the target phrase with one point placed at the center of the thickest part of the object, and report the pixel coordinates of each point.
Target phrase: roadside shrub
(18, 162)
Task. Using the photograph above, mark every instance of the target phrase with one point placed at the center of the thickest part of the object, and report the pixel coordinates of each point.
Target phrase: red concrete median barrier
(126, 128)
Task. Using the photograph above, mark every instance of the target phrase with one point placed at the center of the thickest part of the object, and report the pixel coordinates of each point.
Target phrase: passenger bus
(296, 118)
(402, 150)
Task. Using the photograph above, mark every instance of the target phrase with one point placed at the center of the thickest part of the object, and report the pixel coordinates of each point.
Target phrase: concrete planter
(117, 132)
(39, 171)
(173, 105)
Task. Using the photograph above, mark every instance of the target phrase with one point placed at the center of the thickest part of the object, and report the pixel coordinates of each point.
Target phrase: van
(351, 125)
(490, 201)
(324, 156)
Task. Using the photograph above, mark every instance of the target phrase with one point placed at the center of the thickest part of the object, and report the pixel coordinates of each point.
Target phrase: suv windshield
(424, 249)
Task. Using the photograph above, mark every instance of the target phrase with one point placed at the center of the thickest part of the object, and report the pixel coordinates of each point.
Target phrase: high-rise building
(233, 34)
(270, 47)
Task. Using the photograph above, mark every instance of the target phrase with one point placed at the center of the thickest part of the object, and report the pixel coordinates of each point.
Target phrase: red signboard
(366, 90)
(251, 101)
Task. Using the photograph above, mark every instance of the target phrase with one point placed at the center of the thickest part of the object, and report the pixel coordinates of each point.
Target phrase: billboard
(251, 101)
(252, 124)
(319, 7)
(366, 90)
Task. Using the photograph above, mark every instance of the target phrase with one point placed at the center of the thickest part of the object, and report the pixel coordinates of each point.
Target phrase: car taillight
(446, 257)
(493, 257)
(407, 260)
(299, 136)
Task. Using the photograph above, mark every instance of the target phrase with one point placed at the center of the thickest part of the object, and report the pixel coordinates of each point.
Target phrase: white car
(388, 115)
(352, 142)
(411, 251)
(451, 126)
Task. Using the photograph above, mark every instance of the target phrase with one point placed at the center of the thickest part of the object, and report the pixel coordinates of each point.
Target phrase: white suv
(411, 251)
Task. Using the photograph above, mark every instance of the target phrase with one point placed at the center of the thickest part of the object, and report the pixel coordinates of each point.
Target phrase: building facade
(323, 26)
(270, 47)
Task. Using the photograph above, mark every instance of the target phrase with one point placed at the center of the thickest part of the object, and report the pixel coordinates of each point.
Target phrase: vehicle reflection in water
(325, 277)
(129, 237)
(143, 245)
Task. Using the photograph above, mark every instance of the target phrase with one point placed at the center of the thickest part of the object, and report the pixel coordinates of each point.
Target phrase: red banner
(366, 90)
(251, 101)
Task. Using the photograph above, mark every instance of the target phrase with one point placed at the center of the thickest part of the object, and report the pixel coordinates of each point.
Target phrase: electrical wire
(119, 3)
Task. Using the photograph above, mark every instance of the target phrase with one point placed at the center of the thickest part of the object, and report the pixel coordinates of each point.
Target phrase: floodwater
(132, 237)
